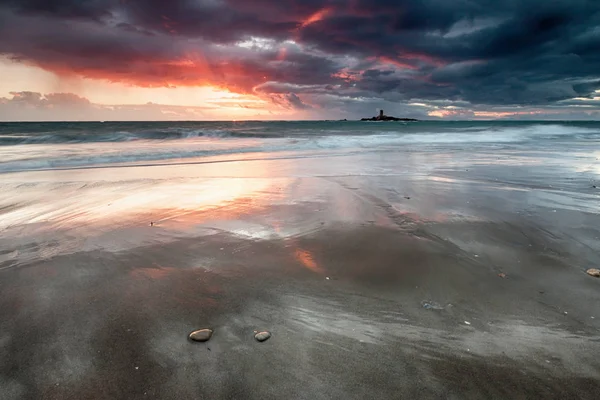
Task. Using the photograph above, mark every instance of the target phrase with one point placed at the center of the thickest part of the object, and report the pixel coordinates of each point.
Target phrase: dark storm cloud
(49, 100)
(67, 9)
(290, 100)
(126, 54)
(494, 52)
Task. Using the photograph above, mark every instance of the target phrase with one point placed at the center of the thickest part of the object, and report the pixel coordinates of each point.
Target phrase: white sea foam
(150, 145)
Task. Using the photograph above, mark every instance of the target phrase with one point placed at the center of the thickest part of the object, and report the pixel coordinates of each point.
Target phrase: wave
(420, 132)
(124, 136)
(173, 144)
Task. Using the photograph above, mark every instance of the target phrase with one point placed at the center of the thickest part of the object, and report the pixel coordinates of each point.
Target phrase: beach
(388, 261)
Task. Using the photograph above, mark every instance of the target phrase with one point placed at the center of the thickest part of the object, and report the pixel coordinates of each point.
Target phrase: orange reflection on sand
(276, 225)
(152, 273)
(178, 219)
(307, 259)
(189, 203)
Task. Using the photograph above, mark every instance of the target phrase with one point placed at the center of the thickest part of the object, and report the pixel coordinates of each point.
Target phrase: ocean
(35, 146)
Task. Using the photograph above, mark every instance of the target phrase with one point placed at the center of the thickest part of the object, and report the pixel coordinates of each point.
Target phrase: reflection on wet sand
(48, 218)
(154, 273)
(307, 259)
(121, 203)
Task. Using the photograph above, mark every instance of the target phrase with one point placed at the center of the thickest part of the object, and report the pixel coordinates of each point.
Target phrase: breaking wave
(420, 132)
(25, 146)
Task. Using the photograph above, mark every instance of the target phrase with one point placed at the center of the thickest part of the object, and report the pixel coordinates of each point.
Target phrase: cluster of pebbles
(204, 335)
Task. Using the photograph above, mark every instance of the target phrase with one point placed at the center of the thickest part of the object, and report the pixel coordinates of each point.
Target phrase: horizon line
(294, 120)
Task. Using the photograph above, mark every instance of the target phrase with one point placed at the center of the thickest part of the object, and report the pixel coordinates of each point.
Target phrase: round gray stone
(202, 335)
(262, 336)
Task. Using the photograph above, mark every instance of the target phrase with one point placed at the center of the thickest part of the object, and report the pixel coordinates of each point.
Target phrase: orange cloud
(316, 17)
(229, 75)
(399, 64)
(347, 75)
(504, 114)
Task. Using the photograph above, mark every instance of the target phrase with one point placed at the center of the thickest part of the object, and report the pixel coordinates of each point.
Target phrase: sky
(299, 59)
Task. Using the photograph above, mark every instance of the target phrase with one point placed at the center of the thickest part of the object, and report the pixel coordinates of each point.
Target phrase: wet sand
(453, 283)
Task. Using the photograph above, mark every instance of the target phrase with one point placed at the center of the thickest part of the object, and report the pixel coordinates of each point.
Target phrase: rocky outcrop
(382, 117)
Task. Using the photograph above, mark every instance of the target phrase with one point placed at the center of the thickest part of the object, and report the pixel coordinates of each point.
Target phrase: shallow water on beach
(87, 179)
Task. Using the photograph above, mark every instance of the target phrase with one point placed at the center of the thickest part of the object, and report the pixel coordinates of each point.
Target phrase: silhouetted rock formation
(382, 117)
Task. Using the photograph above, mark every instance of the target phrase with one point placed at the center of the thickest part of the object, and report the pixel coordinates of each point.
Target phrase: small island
(382, 117)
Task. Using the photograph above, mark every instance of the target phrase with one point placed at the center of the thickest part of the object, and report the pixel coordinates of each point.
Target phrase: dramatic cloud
(324, 55)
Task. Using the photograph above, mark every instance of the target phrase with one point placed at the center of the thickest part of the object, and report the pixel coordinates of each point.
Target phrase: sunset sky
(299, 59)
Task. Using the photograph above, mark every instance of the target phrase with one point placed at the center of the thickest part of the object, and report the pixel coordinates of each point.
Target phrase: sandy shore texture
(385, 278)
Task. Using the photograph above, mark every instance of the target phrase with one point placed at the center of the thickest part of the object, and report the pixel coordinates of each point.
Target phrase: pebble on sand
(202, 335)
(262, 336)
(431, 305)
(593, 272)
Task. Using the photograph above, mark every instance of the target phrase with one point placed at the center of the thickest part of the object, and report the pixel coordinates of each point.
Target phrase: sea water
(65, 145)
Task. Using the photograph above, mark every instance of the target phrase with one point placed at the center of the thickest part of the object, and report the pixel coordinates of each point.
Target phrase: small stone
(431, 305)
(327, 277)
(467, 322)
(202, 335)
(262, 336)
(593, 272)
(502, 275)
